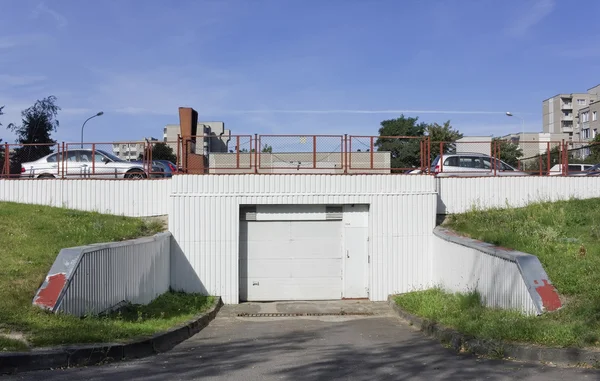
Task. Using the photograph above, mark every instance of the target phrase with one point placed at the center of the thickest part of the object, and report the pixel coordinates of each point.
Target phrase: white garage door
(290, 260)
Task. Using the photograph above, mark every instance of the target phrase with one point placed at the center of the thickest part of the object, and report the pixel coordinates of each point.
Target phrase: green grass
(565, 236)
(30, 238)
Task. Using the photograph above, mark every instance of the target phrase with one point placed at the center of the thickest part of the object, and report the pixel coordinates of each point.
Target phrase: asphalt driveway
(377, 347)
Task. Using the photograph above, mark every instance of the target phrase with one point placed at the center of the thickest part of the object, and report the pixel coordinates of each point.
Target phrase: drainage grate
(277, 314)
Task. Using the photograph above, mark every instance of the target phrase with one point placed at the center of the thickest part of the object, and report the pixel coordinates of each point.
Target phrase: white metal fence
(131, 198)
(459, 195)
(91, 279)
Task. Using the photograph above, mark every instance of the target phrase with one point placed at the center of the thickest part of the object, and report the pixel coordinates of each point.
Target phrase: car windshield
(594, 168)
(111, 156)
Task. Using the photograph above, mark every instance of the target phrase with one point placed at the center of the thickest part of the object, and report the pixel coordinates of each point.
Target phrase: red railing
(296, 154)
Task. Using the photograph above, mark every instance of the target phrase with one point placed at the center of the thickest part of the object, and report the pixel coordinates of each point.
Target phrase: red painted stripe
(48, 296)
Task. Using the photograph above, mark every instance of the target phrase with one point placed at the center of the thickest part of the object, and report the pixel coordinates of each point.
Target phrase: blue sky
(292, 66)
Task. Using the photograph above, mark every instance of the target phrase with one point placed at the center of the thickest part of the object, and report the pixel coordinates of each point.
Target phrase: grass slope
(565, 236)
(30, 238)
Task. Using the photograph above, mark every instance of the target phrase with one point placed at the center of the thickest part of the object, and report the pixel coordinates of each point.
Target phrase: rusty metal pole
(93, 158)
(345, 152)
(441, 157)
(178, 161)
(237, 152)
(63, 161)
(371, 145)
(314, 151)
(548, 158)
(256, 157)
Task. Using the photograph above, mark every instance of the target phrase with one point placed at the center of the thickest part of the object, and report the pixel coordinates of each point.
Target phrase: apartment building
(560, 113)
(217, 137)
(131, 151)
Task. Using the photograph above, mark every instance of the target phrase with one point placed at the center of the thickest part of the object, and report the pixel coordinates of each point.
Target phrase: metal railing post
(314, 151)
(256, 148)
(237, 152)
(371, 149)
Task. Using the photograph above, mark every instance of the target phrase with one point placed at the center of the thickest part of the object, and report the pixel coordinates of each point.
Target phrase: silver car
(86, 163)
(472, 164)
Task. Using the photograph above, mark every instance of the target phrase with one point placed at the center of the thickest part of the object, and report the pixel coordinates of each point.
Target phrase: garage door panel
(296, 268)
(315, 249)
(315, 230)
(266, 231)
(290, 260)
(290, 289)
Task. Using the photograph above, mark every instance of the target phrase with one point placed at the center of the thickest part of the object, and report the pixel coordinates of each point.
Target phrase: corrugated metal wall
(459, 268)
(131, 198)
(458, 195)
(204, 220)
(136, 271)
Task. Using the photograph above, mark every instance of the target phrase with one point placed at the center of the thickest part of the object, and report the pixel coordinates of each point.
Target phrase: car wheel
(46, 176)
(135, 174)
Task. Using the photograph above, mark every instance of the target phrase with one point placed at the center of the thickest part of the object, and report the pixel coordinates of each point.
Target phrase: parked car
(168, 167)
(85, 163)
(573, 169)
(472, 164)
(593, 171)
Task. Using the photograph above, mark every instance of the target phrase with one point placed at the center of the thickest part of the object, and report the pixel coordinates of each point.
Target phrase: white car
(574, 169)
(85, 163)
(472, 164)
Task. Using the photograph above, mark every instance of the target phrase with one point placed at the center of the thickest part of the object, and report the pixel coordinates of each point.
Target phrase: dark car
(168, 168)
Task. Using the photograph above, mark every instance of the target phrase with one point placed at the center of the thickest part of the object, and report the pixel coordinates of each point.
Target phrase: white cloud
(532, 13)
(42, 8)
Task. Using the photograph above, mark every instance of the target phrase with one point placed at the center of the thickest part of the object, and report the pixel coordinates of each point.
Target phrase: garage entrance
(303, 252)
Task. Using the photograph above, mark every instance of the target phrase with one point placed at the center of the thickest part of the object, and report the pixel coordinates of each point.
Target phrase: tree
(162, 151)
(405, 152)
(510, 153)
(267, 149)
(37, 123)
(444, 133)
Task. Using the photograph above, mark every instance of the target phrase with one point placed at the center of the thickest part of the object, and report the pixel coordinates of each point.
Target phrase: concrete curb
(462, 343)
(95, 354)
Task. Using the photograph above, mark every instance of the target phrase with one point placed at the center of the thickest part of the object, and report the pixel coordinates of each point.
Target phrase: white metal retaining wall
(505, 278)
(91, 279)
(132, 198)
(204, 221)
(459, 195)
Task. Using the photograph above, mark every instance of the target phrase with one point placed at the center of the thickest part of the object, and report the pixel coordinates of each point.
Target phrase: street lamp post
(82, 126)
(508, 113)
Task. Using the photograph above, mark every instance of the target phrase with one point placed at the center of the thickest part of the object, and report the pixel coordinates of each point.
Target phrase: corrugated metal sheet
(459, 195)
(204, 220)
(459, 268)
(136, 271)
(121, 197)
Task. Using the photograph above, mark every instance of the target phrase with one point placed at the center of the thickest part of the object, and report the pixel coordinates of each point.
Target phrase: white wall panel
(131, 198)
(204, 220)
(459, 268)
(459, 195)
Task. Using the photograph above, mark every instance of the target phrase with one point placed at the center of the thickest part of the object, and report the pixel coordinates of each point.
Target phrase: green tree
(442, 133)
(510, 153)
(267, 149)
(37, 124)
(400, 137)
(162, 151)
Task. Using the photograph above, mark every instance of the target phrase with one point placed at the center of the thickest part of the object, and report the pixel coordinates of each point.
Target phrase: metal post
(371, 152)
(343, 146)
(178, 161)
(314, 151)
(63, 161)
(5, 165)
(93, 158)
(237, 152)
(256, 148)
(495, 155)
(441, 148)
(548, 158)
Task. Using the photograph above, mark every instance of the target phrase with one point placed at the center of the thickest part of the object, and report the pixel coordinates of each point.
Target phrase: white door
(356, 261)
(290, 260)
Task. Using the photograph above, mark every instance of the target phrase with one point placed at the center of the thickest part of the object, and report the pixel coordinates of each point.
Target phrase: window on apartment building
(594, 115)
(581, 102)
(594, 132)
(586, 133)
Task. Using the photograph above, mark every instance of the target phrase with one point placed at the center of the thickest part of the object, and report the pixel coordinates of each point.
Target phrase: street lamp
(93, 116)
(508, 113)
